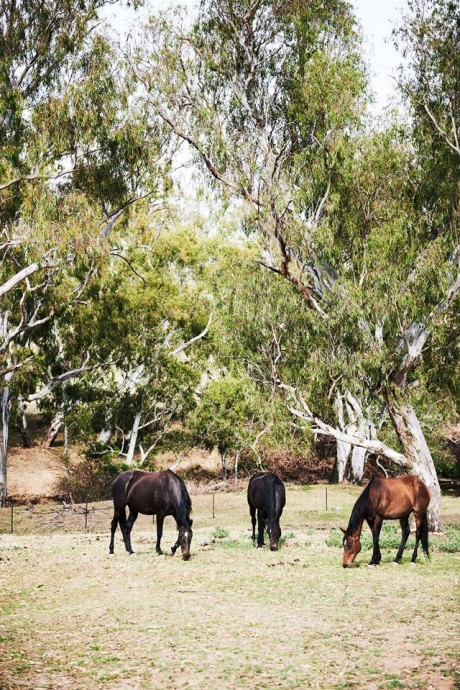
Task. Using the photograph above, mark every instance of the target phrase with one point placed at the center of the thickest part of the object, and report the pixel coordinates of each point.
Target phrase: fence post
(326, 497)
(86, 514)
(12, 517)
(213, 494)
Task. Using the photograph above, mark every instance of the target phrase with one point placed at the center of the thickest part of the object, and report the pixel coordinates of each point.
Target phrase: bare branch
(197, 337)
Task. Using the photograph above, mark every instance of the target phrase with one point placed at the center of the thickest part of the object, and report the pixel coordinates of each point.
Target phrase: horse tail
(424, 536)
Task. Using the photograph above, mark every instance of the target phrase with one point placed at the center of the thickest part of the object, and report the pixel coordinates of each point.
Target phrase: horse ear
(343, 530)
(191, 523)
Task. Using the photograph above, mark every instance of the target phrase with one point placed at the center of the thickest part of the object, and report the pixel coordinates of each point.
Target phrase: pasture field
(73, 617)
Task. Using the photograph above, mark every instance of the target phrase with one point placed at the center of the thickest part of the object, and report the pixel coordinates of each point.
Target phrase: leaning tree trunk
(4, 411)
(411, 436)
(55, 427)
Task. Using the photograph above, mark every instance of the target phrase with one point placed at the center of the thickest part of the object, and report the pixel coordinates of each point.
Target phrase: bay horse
(388, 499)
(267, 496)
(152, 493)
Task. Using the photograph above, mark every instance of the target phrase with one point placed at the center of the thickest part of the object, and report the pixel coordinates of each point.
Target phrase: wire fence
(48, 518)
(68, 517)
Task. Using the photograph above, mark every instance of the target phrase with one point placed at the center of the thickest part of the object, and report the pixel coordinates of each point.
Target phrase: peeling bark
(412, 439)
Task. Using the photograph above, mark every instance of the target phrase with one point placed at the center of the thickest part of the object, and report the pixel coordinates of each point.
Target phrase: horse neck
(355, 526)
(357, 517)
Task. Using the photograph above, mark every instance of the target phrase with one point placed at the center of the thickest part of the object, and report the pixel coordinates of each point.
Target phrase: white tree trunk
(358, 458)
(235, 469)
(343, 453)
(133, 438)
(411, 436)
(4, 411)
(358, 425)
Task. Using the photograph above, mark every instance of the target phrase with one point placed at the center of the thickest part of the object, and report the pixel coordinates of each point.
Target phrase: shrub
(91, 479)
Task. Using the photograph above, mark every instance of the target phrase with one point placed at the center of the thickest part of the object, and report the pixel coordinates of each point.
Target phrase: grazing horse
(152, 493)
(388, 499)
(266, 494)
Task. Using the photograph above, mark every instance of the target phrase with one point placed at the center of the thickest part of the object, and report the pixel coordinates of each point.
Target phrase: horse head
(351, 547)
(185, 539)
(274, 533)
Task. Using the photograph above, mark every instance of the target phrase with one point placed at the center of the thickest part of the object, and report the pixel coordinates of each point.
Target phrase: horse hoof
(396, 563)
(111, 553)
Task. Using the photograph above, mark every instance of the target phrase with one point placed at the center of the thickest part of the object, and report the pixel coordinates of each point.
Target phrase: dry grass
(233, 616)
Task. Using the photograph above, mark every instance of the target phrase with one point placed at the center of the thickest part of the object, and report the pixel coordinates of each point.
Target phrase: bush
(91, 479)
(298, 469)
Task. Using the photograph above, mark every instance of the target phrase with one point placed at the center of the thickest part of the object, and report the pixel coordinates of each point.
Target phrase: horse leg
(113, 529)
(261, 527)
(122, 523)
(160, 520)
(376, 527)
(421, 533)
(252, 510)
(405, 531)
(132, 517)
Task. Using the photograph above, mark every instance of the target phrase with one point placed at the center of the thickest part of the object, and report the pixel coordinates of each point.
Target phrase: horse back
(399, 496)
(266, 492)
(150, 493)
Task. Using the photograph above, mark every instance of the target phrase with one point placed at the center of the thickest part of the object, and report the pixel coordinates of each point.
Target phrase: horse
(152, 493)
(267, 496)
(388, 499)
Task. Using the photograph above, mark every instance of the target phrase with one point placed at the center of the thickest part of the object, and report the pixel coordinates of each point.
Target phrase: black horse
(267, 495)
(152, 493)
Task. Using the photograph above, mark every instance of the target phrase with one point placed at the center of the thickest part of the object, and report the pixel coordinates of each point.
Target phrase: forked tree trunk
(358, 424)
(4, 411)
(412, 439)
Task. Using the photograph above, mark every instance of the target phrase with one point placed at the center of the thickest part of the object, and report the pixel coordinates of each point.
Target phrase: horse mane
(184, 509)
(360, 509)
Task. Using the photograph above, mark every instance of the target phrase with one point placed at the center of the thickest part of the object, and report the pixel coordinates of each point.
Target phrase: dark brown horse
(267, 496)
(388, 499)
(152, 493)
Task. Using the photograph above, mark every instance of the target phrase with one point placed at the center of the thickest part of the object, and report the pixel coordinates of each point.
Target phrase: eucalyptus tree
(269, 96)
(152, 312)
(75, 155)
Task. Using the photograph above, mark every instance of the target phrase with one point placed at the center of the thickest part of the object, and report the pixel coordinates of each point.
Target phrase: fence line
(23, 519)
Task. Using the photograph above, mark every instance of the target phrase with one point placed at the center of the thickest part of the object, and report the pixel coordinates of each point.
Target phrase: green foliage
(220, 533)
(227, 415)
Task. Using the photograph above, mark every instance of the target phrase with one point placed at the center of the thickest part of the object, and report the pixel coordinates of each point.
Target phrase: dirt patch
(33, 474)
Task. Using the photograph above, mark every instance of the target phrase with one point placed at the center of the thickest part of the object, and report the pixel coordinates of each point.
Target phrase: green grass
(390, 538)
